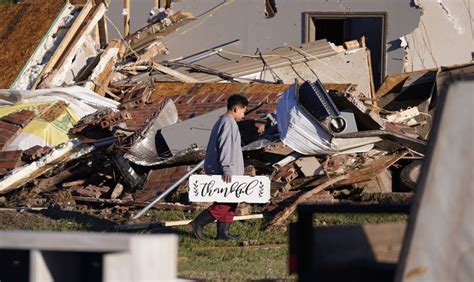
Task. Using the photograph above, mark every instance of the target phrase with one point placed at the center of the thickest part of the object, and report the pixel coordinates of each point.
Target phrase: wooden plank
(126, 18)
(23, 175)
(371, 79)
(80, 38)
(351, 177)
(59, 52)
(96, 35)
(236, 218)
(394, 83)
(281, 217)
(105, 65)
(102, 80)
(173, 73)
(103, 32)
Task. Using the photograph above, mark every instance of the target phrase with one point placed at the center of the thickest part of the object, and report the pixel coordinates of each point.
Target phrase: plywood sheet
(22, 26)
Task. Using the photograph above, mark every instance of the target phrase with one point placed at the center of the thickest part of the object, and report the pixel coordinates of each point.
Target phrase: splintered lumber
(236, 218)
(281, 217)
(103, 75)
(103, 32)
(59, 52)
(126, 17)
(158, 224)
(25, 174)
(49, 182)
(117, 191)
(79, 39)
(351, 177)
(103, 69)
(173, 73)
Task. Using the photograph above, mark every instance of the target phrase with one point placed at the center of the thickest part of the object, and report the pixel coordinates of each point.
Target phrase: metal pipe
(169, 190)
(191, 57)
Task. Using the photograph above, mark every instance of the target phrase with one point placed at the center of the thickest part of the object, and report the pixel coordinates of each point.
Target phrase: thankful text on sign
(211, 188)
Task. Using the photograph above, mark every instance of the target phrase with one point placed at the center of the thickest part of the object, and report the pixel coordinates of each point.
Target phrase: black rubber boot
(223, 231)
(203, 219)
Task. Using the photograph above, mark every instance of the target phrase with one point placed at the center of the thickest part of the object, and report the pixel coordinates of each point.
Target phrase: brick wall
(12, 124)
(193, 99)
(159, 180)
(10, 160)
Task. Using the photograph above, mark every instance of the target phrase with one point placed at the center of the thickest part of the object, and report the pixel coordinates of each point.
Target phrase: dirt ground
(22, 26)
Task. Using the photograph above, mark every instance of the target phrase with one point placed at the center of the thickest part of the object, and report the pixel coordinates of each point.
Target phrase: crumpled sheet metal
(302, 133)
(144, 151)
(191, 155)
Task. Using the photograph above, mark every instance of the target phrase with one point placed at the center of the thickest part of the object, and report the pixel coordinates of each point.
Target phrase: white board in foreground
(211, 188)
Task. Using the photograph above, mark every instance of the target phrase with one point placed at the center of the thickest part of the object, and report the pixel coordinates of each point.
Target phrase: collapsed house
(92, 123)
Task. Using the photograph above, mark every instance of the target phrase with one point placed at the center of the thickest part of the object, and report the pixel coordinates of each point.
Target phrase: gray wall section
(444, 36)
(221, 21)
(140, 10)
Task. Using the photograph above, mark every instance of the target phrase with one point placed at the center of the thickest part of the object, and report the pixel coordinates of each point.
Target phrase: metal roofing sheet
(239, 66)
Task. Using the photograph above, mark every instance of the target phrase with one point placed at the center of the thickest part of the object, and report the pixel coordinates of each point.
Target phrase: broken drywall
(72, 68)
(443, 37)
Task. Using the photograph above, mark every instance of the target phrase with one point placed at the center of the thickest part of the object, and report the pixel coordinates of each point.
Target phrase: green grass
(361, 218)
(264, 255)
(257, 255)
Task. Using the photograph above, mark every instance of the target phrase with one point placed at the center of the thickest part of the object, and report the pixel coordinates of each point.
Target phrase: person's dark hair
(237, 100)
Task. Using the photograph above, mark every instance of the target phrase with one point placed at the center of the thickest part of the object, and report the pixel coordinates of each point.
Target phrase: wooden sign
(211, 188)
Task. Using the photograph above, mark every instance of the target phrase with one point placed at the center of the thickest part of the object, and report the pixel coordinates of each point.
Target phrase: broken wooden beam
(281, 217)
(64, 63)
(25, 174)
(60, 51)
(351, 177)
(186, 222)
(173, 73)
(159, 224)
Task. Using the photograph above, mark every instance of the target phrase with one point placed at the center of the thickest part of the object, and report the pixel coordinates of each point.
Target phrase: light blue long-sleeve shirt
(224, 150)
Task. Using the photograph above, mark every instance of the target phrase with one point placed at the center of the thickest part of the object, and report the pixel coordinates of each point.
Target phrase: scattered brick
(115, 118)
(285, 174)
(90, 191)
(21, 118)
(10, 159)
(127, 197)
(35, 152)
(159, 180)
(8, 132)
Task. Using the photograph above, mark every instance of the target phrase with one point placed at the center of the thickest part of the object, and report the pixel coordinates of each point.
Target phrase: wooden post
(96, 35)
(103, 32)
(167, 3)
(126, 18)
(156, 4)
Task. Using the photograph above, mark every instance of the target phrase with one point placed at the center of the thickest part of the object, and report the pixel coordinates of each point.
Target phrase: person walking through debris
(223, 157)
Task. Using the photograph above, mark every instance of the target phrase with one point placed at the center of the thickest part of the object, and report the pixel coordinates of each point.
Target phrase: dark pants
(223, 212)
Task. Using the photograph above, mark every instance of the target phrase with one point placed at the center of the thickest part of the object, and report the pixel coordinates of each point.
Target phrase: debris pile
(111, 125)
